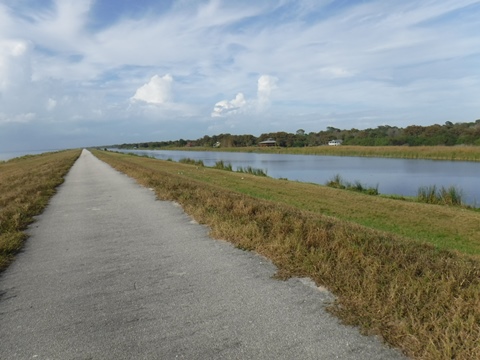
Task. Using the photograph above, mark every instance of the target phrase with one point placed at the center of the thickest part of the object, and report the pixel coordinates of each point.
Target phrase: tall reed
(444, 196)
(191, 161)
(252, 171)
(338, 182)
(221, 165)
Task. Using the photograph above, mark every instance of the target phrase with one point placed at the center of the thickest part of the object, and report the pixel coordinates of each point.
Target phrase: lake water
(11, 155)
(392, 176)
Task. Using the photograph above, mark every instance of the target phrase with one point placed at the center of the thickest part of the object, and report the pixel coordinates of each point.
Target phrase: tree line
(448, 134)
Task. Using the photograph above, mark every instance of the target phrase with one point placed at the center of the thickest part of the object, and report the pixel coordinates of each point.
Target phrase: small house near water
(268, 142)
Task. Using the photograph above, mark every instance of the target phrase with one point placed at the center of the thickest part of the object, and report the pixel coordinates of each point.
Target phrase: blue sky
(79, 73)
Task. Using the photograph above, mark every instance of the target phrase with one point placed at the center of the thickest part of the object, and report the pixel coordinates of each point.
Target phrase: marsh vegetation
(222, 165)
(450, 196)
(338, 182)
(440, 195)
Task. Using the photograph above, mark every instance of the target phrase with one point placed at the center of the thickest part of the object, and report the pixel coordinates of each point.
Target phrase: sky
(78, 73)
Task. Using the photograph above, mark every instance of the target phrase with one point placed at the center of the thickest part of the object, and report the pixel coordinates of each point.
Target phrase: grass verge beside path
(446, 227)
(26, 185)
(418, 297)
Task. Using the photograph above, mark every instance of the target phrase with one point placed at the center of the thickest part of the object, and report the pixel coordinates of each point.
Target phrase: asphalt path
(109, 272)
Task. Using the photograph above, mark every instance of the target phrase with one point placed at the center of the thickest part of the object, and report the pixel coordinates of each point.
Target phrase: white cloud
(266, 84)
(59, 28)
(229, 107)
(15, 68)
(157, 91)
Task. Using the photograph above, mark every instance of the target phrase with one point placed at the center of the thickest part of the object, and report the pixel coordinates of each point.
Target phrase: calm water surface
(393, 176)
(10, 155)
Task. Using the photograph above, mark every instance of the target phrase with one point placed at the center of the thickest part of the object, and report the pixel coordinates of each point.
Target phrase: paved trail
(111, 273)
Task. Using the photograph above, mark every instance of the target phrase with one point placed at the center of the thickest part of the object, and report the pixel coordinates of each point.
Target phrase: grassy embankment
(375, 254)
(460, 153)
(26, 185)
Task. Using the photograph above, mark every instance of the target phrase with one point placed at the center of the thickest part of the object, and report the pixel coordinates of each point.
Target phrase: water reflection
(393, 176)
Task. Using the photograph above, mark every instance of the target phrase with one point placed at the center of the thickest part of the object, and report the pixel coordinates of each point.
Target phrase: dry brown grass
(26, 185)
(421, 299)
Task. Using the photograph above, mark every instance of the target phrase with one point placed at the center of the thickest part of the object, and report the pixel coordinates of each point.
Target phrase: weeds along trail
(421, 299)
(26, 185)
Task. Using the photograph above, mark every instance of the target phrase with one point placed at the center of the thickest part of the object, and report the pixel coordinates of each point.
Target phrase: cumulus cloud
(265, 85)
(157, 91)
(226, 107)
